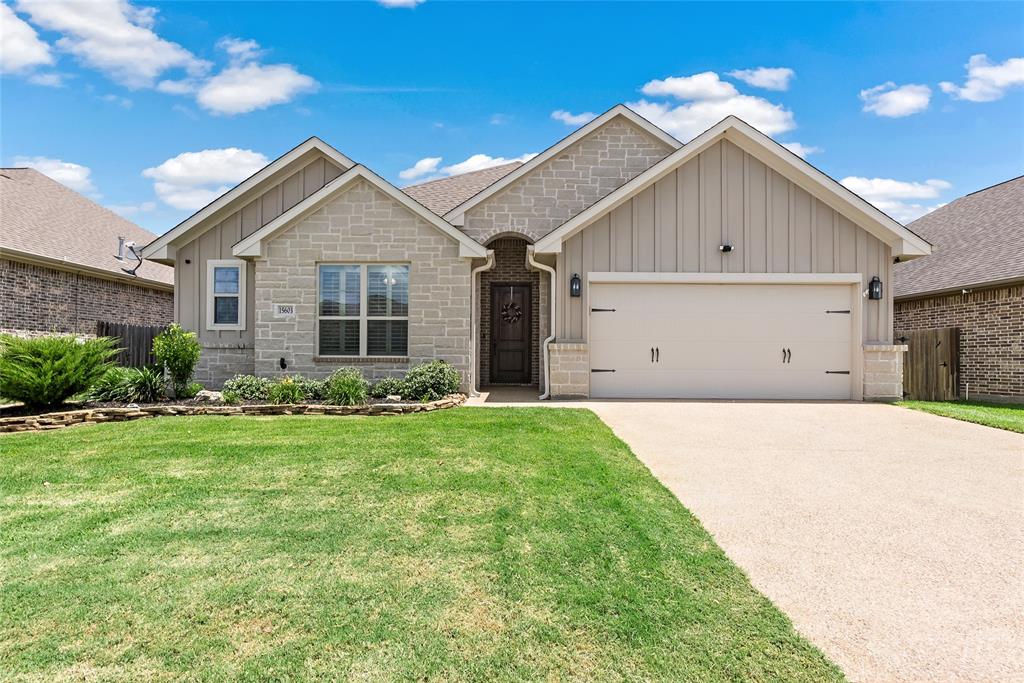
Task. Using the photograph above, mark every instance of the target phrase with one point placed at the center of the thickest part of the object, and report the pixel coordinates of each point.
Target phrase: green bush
(431, 381)
(314, 390)
(231, 398)
(346, 387)
(249, 387)
(389, 386)
(46, 371)
(129, 385)
(192, 390)
(286, 391)
(177, 351)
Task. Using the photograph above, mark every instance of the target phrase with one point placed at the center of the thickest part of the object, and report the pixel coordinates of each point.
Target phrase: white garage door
(720, 341)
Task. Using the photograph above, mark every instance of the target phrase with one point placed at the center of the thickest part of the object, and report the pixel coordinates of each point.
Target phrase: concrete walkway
(893, 539)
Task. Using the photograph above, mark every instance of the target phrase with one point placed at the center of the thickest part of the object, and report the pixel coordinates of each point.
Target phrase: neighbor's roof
(41, 218)
(444, 194)
(978, 239)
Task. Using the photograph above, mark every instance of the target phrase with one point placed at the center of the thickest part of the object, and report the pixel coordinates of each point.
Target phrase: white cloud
(702, 86)
(499, 119)
(769, 78)
(420, 168)
(391, 4)
(20, 46)
(896, 101)
(986, 81)
(192, 180)
(686, 121)
(50, 79)
(127, 210)
(571, 119)
(74, 176)
(240, 51)
(479, 162)
(114, 37)
(241, 89)
(802, 150)
(123, 102)
(891, 196)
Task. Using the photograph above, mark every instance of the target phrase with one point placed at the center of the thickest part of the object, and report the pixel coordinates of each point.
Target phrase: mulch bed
(111, 412)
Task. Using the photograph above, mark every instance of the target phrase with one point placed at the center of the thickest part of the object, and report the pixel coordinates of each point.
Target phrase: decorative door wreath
(511, 312)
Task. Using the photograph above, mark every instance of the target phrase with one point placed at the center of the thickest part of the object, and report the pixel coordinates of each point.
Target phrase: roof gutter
(473, 323)
(91, 271)
(545, 343)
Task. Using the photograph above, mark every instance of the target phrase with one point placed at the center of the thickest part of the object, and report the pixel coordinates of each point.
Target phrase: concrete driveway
(892, 538)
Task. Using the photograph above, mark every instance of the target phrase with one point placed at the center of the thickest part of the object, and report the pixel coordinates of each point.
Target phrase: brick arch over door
(509, 267)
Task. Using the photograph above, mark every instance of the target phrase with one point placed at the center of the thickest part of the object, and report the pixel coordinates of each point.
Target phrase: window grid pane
(339, 290)
(225, 280)
(339, 337)
(388, 291)
(225, 310)
(387, 337)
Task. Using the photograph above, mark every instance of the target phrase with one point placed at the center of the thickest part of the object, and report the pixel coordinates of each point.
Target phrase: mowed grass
(1000, 415)
(471, 544)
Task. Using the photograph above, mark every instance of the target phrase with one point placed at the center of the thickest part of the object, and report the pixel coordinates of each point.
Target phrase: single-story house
(60, 270)
(617, 263)
(973, 281)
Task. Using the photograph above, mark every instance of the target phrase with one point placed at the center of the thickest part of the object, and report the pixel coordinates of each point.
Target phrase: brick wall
(509, 267)
(362, 225)
(568, 183)
(38, 300)
(991, 323)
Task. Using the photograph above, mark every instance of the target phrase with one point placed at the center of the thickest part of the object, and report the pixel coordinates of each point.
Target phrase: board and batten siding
(215, 243)
(724, 196)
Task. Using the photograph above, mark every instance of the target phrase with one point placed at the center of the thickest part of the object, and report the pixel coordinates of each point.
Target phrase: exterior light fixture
(575, 285)
(875, 288)
(725, 248)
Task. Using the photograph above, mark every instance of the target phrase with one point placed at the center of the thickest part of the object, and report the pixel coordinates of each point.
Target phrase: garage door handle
(837, 372)
(602, 310)
(652, 354)
(845, 311)
(657, 354)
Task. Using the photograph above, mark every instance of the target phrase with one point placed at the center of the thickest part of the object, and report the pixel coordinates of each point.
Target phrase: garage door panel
(721, 341)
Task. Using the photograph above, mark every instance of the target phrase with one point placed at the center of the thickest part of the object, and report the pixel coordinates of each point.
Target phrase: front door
(510, 333)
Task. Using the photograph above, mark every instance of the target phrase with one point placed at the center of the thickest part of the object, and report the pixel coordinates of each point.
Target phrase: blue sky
(153, 108)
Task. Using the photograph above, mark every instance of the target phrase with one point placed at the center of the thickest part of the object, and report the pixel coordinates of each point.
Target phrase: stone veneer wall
(883, 372)
(362, 225)
(35, 300)
(220, 362)
(991, 323)
(510, 267)
(568, 183)
(570, 370)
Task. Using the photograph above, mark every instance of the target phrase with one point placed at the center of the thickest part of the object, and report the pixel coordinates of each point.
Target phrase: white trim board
(253, 244)
(726, 278)
(162, 248)
(903, 241)
(457, 215)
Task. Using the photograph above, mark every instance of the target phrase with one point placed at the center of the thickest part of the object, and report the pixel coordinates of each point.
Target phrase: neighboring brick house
(59, 271)
(617, 263)
(974, 280)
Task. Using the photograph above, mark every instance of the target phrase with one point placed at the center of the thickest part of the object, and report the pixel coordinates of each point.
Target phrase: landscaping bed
(1008, 416)
(480, 544)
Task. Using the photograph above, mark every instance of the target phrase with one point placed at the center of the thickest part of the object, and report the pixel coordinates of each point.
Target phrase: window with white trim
(363, 310)
(225, 294)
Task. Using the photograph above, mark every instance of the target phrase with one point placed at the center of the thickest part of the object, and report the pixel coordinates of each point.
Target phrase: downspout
(473, 325)
(551, 337)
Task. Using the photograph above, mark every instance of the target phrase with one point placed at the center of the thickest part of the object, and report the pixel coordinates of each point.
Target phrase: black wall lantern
(875, 288)
(575, 286)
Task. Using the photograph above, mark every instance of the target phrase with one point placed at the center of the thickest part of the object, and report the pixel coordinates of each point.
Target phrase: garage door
(739, 341)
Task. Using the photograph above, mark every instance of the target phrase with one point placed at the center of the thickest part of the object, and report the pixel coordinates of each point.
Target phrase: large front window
(363, 310)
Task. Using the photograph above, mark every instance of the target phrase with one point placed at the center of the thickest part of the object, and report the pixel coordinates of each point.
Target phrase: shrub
(313, 389)
(389, 386)
(431, 381)
(346, 387)
(249, 387)
(230, 398)
(129, 385)
(192, 390)
(286, 391)
(177, 351)
(46, 371)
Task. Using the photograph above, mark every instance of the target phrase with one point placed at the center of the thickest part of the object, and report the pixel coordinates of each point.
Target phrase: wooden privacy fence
(932, 368)
(135, 341)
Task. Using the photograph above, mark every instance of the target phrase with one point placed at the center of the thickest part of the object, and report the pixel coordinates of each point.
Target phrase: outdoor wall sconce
(575, 286)
(283, 363)
(875, 288)
(725, 248)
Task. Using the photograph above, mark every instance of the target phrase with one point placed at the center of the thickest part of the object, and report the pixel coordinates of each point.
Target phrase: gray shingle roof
(977, 239)
(444, 194)
(40, 216)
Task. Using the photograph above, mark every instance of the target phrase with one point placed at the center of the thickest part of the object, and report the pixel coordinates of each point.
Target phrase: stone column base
(570, 370)
(883, 372)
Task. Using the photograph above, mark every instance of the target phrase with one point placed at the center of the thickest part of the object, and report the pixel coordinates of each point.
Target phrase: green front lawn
(472, 544)
(1001, 415)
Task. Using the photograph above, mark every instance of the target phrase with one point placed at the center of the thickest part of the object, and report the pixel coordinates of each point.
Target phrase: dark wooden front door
(510, 333)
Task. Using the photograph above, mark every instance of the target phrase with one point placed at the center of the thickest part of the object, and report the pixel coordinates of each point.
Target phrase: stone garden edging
(48, 421)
